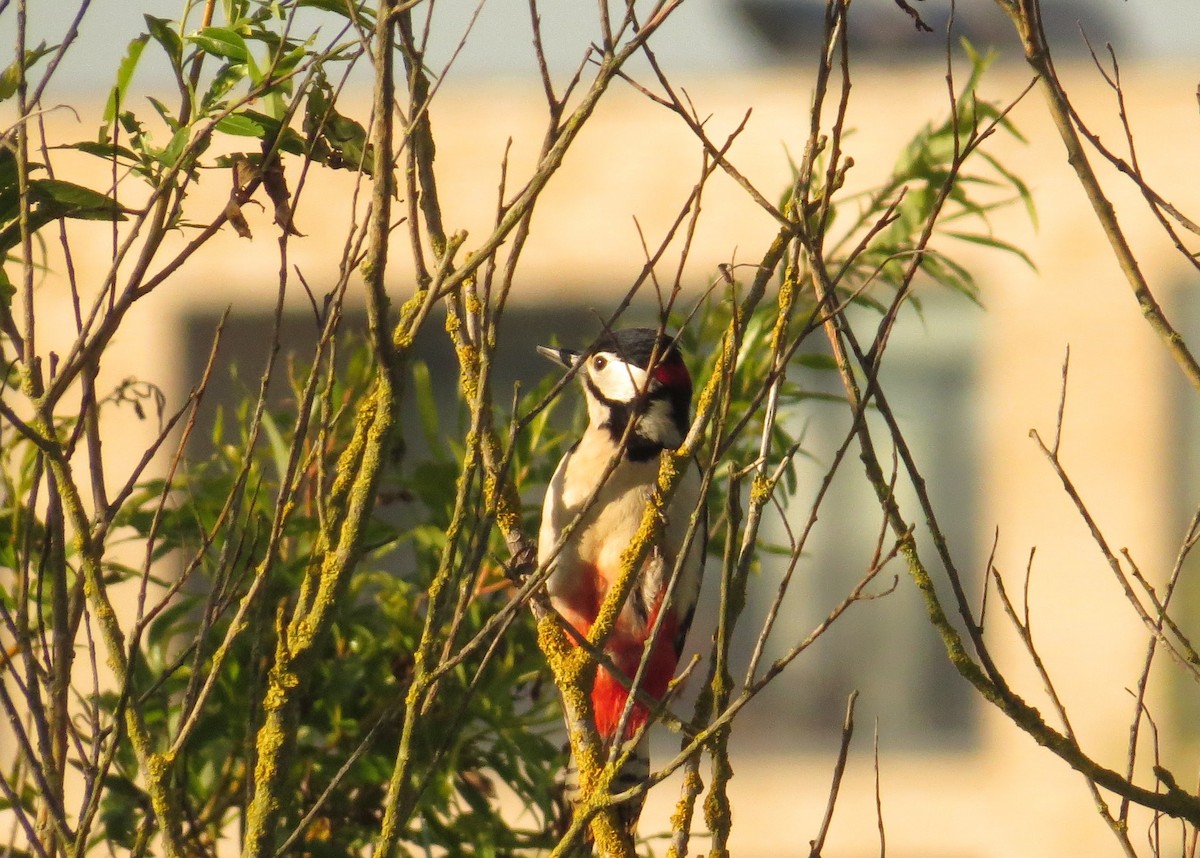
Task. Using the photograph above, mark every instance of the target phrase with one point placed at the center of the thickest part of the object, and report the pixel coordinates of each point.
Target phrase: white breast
(612, 521)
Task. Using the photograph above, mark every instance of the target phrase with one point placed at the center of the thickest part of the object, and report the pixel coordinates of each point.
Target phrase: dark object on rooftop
(884, 30)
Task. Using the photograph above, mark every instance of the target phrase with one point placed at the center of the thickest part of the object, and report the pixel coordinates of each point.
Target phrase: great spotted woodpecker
(634, 376)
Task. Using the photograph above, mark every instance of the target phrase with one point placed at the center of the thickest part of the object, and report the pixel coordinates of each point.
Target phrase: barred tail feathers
(609, 699)
(635, 771)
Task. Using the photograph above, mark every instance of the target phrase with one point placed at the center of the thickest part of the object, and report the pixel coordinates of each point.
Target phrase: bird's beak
(565, 357)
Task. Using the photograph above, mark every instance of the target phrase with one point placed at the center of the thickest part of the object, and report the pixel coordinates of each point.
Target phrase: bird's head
(634, 374)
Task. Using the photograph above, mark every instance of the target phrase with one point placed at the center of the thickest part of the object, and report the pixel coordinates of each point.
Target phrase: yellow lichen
(498, 499)
(560, 654)
(722, 369)
(610, 839)
(158, 766)
(402, 336)
(472, 304)
(681, 819)
(760, 490)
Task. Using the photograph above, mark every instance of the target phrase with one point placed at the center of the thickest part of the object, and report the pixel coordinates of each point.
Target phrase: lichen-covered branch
(356, 478)
(155, 764)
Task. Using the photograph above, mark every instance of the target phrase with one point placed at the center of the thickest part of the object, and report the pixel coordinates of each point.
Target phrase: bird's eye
(599, 362)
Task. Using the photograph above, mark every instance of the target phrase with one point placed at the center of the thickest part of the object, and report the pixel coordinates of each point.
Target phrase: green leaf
(52, 199)
(7, 290)
(996, 243)
(816, 360)
(289, 55)
(427, 405)
(165, 113)
(174, 150)
(252, 123)
(104, 149)
(362, 14)
(277, 444)
(336, 140)
(9, 190)
(174, 620)
(241, 125)
(221, 42)
(11, 75)
(229, 76)
(1018, 185)
(125, 70)
(946, 272)
(71, 200)
(163, 33)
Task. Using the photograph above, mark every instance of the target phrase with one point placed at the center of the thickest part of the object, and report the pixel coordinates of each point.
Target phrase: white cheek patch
(619, 381)
(656, 423)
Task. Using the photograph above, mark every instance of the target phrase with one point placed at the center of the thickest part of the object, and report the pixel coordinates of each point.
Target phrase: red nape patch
(671, 372)
(609, 695)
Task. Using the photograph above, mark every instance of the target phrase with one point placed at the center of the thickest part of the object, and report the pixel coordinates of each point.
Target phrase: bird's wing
(553, 511)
